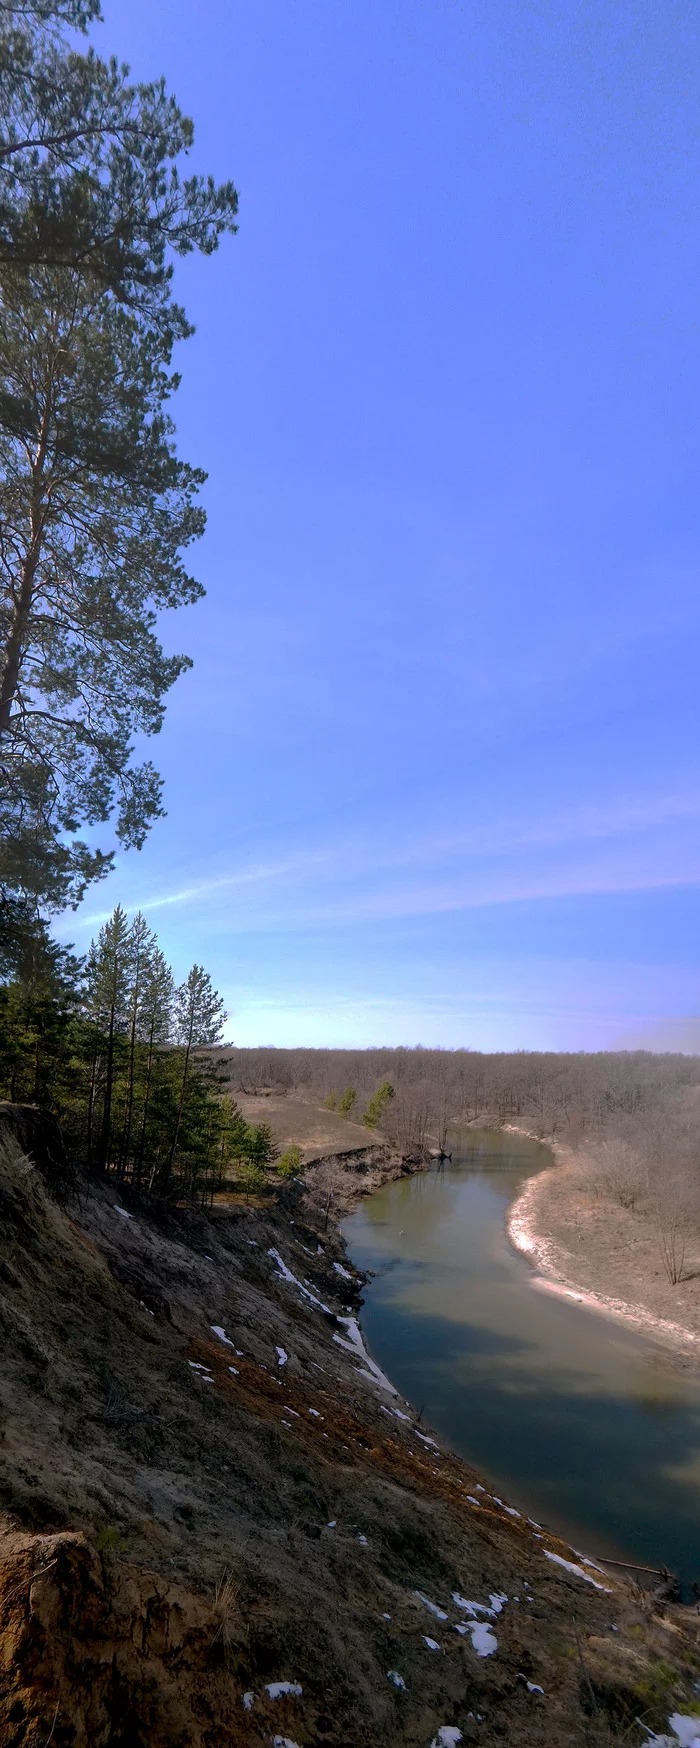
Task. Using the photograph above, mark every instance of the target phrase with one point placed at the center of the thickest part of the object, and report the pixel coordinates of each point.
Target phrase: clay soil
(190, 1518)
(581, 1237)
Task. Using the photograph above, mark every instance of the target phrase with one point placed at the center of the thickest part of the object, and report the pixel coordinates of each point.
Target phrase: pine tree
(156, 1020)
(199, 1020)
(96, 509)
(141, 946)
(107, 997)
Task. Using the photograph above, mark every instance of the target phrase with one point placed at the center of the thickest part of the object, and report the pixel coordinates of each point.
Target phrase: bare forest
(631, 1117)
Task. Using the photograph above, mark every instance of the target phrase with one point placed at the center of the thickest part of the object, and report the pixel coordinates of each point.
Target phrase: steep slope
(220, 1525)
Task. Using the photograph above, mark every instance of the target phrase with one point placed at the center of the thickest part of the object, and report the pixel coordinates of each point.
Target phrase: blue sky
(434, 777)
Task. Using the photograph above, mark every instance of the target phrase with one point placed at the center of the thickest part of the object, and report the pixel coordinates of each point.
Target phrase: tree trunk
(178, 1119)
(107, 1106)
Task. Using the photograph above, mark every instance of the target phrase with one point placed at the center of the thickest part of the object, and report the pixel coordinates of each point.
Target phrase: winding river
(580, 1421)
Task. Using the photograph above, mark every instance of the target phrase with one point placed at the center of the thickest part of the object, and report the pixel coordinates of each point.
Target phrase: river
(579, 1421)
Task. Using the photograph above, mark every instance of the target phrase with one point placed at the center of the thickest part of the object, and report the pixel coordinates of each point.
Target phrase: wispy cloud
(647, 844)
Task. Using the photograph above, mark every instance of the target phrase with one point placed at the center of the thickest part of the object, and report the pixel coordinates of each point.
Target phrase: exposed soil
(297, 1122)
(172, 1547)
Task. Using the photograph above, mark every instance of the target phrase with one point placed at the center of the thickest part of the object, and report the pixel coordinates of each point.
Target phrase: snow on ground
(217, 1329)
(123, 1212)
(432, 1607)
(248, 1702)
(282, 1357)
(432, 1644)
(276, 1689)
(578, 1572)
(686, 1732)
(286, 1275)
(398, 1680)
(356, 1346)
(483, 1640)
(447, 1737)
(283, 1742)
(493, 1607)
(341, 1271)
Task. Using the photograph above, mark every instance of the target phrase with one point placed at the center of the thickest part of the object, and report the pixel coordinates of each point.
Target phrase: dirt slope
(171, 1547)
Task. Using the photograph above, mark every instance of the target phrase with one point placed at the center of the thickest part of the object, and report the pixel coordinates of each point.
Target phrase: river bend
(582, 1422)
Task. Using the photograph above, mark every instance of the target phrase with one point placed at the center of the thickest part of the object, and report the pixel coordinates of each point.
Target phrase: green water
(582, 1423)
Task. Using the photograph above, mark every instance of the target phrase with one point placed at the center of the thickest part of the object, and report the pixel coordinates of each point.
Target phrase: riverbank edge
(526, 1226)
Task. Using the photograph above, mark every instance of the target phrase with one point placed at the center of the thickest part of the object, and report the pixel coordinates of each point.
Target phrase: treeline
(562, 1094)
(114, 1048)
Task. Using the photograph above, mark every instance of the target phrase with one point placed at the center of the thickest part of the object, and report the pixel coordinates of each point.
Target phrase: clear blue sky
(434, 777)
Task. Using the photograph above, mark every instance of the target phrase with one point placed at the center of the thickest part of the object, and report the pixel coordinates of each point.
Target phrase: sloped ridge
(218, 1525)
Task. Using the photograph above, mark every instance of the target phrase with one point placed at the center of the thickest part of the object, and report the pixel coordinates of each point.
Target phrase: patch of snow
(484, 1642)
(398, 1680)
(282, 1357)
(316, 1414)
(248, 1702)
(283, 1742)
(235, 1371)
(493, 1607)
(386, 1617)
(252, 1241)
(532, 1687)
(424, 1440)
(460, 1629)
(341, 1271)
(332, 1523)
(208, 1258)
(277, 1688)
(217, 1329)
(397, 1412)
(355, 1345)
(577, 1571)
(586, 1562)
(473, 1501)
(432, 1644)
(447, 1737)
(286, 1275)
(686, 1731)
(145, 1308)
(432, 1607)
(288, 1410)
(124, 1214)
(363, 1541)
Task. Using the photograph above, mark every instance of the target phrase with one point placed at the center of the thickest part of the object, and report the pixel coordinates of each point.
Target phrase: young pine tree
(106, 1003)
(141, 947)
(199, 1020)
(155, 1022)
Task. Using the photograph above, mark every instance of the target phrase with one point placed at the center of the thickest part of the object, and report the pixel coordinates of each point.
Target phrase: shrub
(290, 1162)
(377, 1105)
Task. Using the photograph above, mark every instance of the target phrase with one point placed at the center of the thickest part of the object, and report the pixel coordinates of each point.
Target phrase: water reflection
(579, 1419)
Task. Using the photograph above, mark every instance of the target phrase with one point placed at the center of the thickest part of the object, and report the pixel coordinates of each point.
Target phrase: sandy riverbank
(585, 1245)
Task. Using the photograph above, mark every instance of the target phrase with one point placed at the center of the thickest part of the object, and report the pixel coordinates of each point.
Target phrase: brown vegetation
(170, 1545)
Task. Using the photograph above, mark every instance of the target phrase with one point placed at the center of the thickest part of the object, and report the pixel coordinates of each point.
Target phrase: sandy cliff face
(218, 1525)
